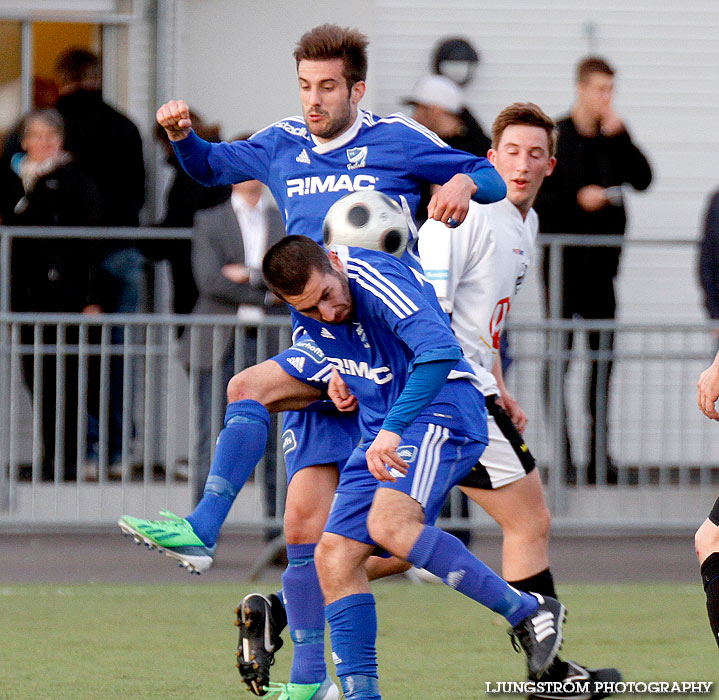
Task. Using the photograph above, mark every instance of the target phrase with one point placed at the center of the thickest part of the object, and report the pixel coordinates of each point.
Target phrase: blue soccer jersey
(393, 154)
(396, 319)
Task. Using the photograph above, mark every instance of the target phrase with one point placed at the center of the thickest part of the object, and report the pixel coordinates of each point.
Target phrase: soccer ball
(367, 219)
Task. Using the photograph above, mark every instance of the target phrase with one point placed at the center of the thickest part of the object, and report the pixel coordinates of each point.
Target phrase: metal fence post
(557, 494)
(5, 387)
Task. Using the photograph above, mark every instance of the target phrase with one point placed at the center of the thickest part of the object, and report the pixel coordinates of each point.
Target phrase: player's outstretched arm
(174, 118)
(708, 390)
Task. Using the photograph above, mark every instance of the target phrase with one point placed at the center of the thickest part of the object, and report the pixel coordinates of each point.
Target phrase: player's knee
(302, 526)
(248, 384)
(381, 529)
(328, 555)
(534, 527)
(542, 523)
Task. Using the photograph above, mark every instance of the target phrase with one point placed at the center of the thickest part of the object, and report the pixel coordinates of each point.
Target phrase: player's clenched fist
(174, 118)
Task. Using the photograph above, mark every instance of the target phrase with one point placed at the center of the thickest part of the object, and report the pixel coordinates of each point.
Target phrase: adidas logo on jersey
(298, 363)
(326, 334)
(303, 157)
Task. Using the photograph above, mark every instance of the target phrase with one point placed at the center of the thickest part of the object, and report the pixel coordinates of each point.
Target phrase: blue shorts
(438, 459)
(319, 434)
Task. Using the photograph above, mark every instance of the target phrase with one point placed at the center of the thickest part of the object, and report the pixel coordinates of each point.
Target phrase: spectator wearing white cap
(438, 104)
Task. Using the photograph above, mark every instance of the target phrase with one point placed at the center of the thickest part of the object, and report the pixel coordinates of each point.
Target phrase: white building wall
(667, 57)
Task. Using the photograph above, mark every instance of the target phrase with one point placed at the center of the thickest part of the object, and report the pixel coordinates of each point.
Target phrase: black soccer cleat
(540, 635)
(578, 683)
(260, 619)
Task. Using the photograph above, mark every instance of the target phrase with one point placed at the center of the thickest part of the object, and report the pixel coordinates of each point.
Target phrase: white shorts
(506, 458)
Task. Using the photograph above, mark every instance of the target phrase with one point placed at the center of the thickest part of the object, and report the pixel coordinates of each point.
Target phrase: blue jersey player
(423, 424)
(308, 162)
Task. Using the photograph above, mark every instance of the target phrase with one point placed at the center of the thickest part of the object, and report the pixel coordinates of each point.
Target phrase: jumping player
(706, 540)
(308, 162)
(423, 425)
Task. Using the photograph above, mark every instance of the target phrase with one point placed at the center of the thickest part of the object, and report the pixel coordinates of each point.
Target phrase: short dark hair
(527, 114)
(75, 65)
(331, 41)
(592, 64)
(288, 264)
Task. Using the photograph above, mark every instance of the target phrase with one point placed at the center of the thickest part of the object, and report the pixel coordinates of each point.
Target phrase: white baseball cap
(436, 90)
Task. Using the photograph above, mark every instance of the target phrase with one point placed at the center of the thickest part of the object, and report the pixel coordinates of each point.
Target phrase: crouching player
(423, 424)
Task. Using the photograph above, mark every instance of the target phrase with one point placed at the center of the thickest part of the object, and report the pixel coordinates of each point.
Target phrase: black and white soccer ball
(367, 219)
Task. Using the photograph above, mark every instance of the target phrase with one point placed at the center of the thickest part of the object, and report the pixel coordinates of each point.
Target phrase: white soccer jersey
(476, 270)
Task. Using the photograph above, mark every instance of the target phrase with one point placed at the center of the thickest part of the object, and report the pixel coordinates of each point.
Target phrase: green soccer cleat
(174, 536)
(326, 690)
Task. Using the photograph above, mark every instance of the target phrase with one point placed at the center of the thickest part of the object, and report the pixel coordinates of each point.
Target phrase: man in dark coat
(595, 159)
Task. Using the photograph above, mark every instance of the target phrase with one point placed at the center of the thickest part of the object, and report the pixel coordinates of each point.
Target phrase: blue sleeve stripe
(383, 284)
(399, 118)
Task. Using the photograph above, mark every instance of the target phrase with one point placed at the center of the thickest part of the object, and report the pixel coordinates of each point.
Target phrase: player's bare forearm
(708, 390)
(382, 456)
(174, 118)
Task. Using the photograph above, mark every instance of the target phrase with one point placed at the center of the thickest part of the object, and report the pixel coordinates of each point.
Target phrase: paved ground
(109, 557)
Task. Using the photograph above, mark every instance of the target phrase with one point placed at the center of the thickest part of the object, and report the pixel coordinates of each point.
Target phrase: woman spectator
(44, 187)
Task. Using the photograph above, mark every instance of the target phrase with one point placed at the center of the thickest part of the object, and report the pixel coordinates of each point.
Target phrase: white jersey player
(476, 273)
(477, 270)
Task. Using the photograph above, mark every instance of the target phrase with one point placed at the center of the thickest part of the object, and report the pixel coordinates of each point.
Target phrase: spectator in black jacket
(596, 158)
(44, 186)
(709, 260)
(108, 147)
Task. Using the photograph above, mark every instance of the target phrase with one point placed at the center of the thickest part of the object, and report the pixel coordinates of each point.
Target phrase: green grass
(129, 642)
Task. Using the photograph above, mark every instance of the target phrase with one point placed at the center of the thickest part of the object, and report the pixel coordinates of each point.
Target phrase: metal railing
(666, 457)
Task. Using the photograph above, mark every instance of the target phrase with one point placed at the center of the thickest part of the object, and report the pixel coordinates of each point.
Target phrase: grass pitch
(129, 642)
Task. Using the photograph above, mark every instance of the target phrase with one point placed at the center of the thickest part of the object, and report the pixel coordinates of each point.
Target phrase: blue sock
(353, 631)
(305, 609)
(239, 447)
(445, 556)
